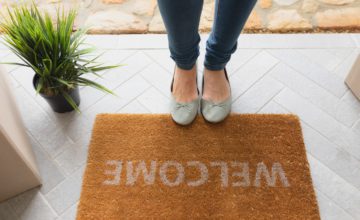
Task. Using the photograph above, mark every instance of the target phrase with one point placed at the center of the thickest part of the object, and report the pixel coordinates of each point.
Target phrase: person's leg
(230, 18)
(181, 19)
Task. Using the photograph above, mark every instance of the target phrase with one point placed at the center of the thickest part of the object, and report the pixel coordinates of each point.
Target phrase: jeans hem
(214, 67)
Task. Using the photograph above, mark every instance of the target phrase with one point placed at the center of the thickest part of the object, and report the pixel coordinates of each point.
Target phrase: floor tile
(6, 212)
(124, 94)
(273, 108)
(11, 58)
(78, 126)
(335, 188)
(344, 68)
(69, 214)
(252, 71)
(339, 134)
(317, 95)
(134, 107)
(25, 76)
(322, 57)
(162, 57)
(311, 70)
(338, 160)
(113, 57)
(295, 41)
(32, 205)
(329, 210)
(158, 77)
(131, 66)
(2, 44)
(154, 101)
(66, 193)
(90, 96)
(36, 122)
(356, 127)
(13, 81)
(50, 173)
(356, 38)
(351, 100)
(238, 59)
(74, 157)
(264, 90)
(54, 139)
(3, 53)
(341, 53)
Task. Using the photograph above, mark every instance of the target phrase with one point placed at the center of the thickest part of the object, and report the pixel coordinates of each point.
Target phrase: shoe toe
(182, 117)
(185, 113)
(215, 113)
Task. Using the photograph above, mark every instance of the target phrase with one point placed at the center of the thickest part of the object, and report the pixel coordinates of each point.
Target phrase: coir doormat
(247, 167)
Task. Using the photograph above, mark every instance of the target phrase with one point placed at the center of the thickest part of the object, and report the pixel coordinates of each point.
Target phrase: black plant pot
(58, 103)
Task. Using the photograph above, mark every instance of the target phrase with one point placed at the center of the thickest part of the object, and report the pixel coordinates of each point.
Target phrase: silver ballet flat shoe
(183, 113)
(215, 112)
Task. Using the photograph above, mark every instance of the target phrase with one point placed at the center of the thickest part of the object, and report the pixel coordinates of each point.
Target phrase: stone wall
(142, 16)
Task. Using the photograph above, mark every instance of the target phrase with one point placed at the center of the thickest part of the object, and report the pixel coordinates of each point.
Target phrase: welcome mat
(247, 167)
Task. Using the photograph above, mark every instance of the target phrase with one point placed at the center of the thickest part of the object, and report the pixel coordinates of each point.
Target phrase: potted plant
(53, 51)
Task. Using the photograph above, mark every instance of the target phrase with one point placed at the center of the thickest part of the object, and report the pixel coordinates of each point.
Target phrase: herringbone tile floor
(301, 73)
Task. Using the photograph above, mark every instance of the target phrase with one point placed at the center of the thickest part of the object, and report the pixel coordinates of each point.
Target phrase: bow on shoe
(221, 105)
(186, 106)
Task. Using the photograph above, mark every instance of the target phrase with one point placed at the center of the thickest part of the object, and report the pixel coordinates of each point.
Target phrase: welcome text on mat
(240, 175)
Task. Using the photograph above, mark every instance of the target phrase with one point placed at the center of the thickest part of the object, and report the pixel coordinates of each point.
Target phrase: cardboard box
(18, 170)
(353, 78)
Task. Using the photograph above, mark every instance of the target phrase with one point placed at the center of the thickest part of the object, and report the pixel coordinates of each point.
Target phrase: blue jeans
(181, 19)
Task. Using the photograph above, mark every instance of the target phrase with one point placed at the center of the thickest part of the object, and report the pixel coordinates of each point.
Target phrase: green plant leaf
(14, 63)
(70, 101)
(55, 53)
(39, 85)
(87, 82)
